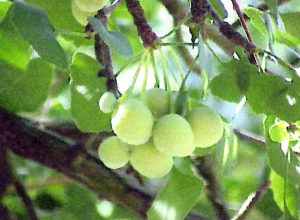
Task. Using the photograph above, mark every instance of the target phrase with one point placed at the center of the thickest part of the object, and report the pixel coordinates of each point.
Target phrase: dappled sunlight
(105, 208)
(84, 91)
(291, 100)
(164, 210)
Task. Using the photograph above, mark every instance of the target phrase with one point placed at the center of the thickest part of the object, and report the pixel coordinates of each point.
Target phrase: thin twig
(242, 20)
(20, 189)
(244, 25)
(252, 200)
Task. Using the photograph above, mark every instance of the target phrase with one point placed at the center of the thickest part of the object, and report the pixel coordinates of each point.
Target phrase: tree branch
(144, 30)
(203, 167)
(64, 155)
(252, 200)
(26, 199)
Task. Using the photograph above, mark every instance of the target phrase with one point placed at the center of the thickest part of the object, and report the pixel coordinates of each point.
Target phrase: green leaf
(284, 192)
(115, 40)
(86, 90)
(177, 198)
(257, 18)
(60, 15)
(25, 91)
(81, 204)
(14, 49)
(277, 159)
(4, 6)
(219, 7)
(274, 95)
(33, 24)
(233, 81)
(291, 23)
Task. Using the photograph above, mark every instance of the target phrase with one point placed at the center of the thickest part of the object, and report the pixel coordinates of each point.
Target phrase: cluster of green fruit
(149, 136)
(81, 9)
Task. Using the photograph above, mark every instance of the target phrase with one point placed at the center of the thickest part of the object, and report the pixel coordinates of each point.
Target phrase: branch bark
(203, 167)
(64, 155)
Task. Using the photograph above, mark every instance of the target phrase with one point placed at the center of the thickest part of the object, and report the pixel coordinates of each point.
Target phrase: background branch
(20, 189)
(203, 167)
(252, 200)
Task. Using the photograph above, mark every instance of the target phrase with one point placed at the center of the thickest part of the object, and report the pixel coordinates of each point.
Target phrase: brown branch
(252, 200)
(144, 30)
(199, 9)
(203, 167)
(5, 171)
(103, 56)
(54, 151)
(20, 189)
(242, 20)
(4, 213)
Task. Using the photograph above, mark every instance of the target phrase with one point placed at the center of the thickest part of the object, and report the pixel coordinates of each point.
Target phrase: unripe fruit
(207, 126)
(149, 162)
(278, 132)
(158, 102)
(91, 5)
(80, 15)
(113, 153)
(173, 136)
(107, 102)
(132, 122)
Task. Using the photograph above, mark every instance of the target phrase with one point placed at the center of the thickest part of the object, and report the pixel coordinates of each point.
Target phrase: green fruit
(107, 102)
(113, 153)
(278, 131)
(158, 102)
(132, 122)
(81, 15)
(207, 126)
(91, 5)
(149, 162)
(173, 136)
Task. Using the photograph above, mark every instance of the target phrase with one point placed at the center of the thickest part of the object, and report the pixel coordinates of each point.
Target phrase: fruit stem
(146, 70)
(157, 81)
(164, 68)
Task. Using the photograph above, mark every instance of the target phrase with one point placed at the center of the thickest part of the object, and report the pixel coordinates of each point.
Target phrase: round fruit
(149, 162)
(80, 15)
(107, 102)
(207, 126)
(158, 102)
(173, 136)
(132, 122)
(278, 131)
(113, 153)
(91, 5)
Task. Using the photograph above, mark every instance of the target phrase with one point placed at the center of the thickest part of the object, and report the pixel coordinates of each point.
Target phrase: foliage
(50, 73)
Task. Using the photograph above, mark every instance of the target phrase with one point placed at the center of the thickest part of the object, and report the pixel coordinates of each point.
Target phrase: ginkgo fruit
(113, 153)
(207, 126)
(107, 102)
(158, 102)
(149, 162)
(91, 5)
(278, 131)
(132, 122)
(80, 15)
(173, 136)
